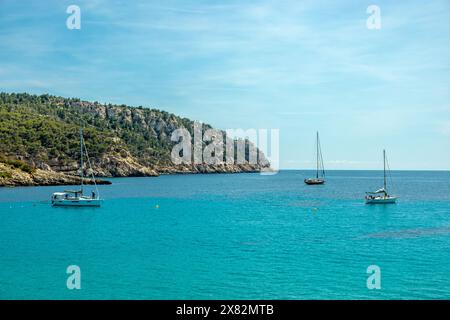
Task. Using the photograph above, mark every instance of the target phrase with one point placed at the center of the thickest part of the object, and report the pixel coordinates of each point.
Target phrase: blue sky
(299, 66)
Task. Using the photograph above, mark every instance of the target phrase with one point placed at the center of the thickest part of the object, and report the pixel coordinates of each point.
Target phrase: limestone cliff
(43, 133)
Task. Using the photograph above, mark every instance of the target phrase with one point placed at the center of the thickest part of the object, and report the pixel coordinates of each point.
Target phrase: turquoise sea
(231, 236)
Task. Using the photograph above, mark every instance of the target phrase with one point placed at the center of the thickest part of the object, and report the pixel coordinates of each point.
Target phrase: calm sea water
(242, 236)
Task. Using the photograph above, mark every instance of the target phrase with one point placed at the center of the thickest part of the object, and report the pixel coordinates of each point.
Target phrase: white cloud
(444, 128)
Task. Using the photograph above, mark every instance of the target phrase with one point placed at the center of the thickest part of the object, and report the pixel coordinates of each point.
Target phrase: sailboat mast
(317, 155)
(81, 158)
(384, 167)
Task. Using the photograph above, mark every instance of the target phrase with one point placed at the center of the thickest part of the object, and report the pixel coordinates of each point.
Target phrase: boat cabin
(67, 195)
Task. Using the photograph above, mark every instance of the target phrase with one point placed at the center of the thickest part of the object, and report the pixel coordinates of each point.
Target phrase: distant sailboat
(320, 171)
(381, 196)
(76, 198)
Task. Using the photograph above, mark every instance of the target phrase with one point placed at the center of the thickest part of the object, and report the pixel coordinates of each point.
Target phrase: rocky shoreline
(41, 142)
(11, 177)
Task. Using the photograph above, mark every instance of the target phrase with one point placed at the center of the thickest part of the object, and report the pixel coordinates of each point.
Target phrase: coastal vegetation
(21, 165)
(42, 132)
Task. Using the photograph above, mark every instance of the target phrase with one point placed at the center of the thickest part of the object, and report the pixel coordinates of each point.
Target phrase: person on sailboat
(381, 196)
(76, 198)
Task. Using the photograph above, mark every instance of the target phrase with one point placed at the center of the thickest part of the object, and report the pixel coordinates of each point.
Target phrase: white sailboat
(320, 170)
(381, 196)
(70, 198)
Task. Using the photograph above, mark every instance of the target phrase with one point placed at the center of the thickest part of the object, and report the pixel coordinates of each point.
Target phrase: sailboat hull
(381, 200)
(77, 202)
(76, 198)
(314, 181)
(320, 169)
(381, 196)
